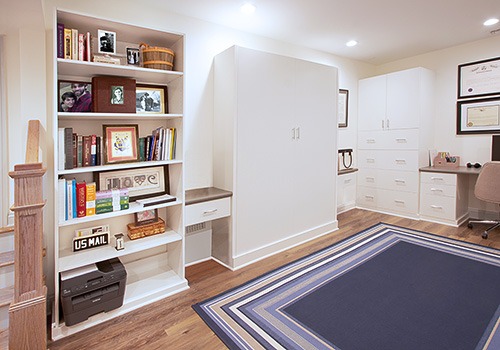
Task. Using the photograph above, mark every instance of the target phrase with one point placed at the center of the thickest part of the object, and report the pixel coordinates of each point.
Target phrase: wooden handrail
(33, 142)
(6, 229)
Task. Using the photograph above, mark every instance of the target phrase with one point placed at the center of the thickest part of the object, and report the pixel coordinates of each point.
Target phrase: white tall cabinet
(395, 134)
(275, 149)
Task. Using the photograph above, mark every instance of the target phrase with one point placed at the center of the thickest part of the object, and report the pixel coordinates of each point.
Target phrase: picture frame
(142, 183)
(151, 99)
(105, 98)
(479, 79)
(133, 58)
(120, 143)
(80, 92)
(107, 42)
(343, 104)
(146, 217)
(479, 116)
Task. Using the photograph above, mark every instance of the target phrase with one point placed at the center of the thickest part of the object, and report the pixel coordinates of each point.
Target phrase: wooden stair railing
(27, 312)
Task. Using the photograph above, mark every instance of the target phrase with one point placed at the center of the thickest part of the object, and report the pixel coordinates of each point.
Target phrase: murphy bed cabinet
(154, 264)
(275, 150)
(394, 136)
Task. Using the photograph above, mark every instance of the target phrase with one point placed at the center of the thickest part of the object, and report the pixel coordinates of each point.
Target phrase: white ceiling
(386, 30)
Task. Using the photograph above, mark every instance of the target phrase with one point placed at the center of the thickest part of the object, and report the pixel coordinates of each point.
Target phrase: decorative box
(154, 228)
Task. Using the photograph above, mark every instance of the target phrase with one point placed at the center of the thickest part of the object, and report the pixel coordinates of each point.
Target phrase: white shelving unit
(155, 264)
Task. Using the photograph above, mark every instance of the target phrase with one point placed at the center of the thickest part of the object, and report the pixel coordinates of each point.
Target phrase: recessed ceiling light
(351, 43)
(248, 8)
(491, 22)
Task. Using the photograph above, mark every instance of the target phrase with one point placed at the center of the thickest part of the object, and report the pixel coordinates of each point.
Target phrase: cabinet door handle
(369, 197)
(370, 160)
(436, 189)
(399, 201)
(401, 161)
(298, 133)
(399, 181)
(370, 179)
(388, 124)
(370, 140)
(382, 123)
(436, 207)
(293, 133)
(401, 140)
(437, 178)
(209, 211)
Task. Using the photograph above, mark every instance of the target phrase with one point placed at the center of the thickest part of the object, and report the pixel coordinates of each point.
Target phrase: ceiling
(386, 30)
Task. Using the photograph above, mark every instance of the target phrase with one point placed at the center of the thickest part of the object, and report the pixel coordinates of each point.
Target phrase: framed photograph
(343, 108)
(74, 96)
(107, 41)
(146, 217)
(133, 56)
(120, 143)
(151, 99)
(481, 78)
(113, 94)
(480, 116)
(142, 183)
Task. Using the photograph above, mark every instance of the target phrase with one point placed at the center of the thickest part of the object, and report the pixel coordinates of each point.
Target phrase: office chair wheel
(485, 235)
(469, 225)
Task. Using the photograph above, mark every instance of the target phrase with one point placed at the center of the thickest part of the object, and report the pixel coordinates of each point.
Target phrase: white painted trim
(4, 179)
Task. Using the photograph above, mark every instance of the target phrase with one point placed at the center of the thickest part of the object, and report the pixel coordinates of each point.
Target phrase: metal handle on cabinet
(436, 178)
(401, 161)
(370, 140)
(401, 140)
(369, 197)
(436, 207)
(293, 133)
(370, 160)
(436, 189)
(388, 124)
(209, 211)
(298, 133)
(399, 181)
(382, 123)
(399, 201)
(370, 179)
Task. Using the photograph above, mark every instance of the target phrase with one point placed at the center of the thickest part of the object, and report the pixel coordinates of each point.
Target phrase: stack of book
(72, 45)
(76, 199)
(79, 150)
(111, 200)
(160, 145)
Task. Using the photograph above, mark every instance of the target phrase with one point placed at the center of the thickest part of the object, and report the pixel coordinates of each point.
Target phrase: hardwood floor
(172, 323)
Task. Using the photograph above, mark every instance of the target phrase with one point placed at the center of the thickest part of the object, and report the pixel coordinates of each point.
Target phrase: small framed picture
(107, 41)
(74, 96)
(133, 56)
(146, 217)
(151, 99)
(120, 143)
(343, 108)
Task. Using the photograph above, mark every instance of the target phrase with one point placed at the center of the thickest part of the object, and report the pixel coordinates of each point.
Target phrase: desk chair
(488, 189)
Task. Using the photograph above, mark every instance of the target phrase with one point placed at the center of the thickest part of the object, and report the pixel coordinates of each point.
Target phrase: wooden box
(157, 57)
(135, 232)
(440, 162)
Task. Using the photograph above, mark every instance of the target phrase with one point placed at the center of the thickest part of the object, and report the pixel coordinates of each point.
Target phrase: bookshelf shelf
(154, 264)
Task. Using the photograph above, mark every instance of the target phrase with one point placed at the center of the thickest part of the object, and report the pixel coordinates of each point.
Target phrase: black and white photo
(133, 56)
(151, 99)
(107, 41)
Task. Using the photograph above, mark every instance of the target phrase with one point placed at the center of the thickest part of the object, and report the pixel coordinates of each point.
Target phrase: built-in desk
(444, 194)
(203, 205)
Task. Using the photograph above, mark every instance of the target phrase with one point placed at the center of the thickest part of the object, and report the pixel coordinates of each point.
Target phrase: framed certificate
(480, 116)
(480, 78)
(342, 107)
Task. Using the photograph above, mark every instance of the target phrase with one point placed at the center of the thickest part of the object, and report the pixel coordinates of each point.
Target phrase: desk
(444, 194)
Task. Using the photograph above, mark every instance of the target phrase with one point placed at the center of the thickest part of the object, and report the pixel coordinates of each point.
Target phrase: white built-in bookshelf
(154, 264)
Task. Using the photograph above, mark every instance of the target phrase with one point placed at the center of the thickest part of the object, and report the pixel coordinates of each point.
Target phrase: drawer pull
(436, 189)
(370, 141)
(369, 197)
(399, 181)
(347, 181)
(370, 160)
(436, 207)
(399, 201)
(437, 178)
(401, 161)
(401, 140)
(370, 179)
(209, 211)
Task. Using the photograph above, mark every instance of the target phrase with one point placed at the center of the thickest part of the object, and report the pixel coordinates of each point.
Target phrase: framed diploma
(480, 116)
(480, 78)
(342, 108)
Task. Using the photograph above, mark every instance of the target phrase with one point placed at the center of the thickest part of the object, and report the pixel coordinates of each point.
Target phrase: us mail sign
(90, 241)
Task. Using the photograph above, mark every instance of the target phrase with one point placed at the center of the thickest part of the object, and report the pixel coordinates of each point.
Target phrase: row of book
(86, 150)
(79, 199)
(73, 45)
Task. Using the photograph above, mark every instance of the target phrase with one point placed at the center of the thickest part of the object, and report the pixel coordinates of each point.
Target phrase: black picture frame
(479, 79)
(66, 88)
(133, 58)
(343, 108)
(137, 181)
(478, 116)
(146, 217)
(158, 95)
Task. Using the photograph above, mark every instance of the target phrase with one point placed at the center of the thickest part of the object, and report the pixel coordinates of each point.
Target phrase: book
(98, 150)
(153, 145)
(90, 193)
(60, 40)
(68, 148)
(69, 199)
(61, 195)
(109, 60)
(73, 197)
(141, 149)
(74, 44)
(81, 199)
(75, 150)
(88, 47)
(93, 149)
(81, 47)
(67, 43)
(80, 151)
(147, 147)
(87, 142)
(60, 145)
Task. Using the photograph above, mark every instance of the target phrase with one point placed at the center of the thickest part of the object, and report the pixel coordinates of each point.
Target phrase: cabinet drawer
(388, 139)
(389, 179)
(206, 211)
(393, 201)
(438, 178)
(437, 206)
(391, 160)
(438, 190)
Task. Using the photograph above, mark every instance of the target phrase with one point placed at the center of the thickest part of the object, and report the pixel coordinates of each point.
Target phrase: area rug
(384, 288)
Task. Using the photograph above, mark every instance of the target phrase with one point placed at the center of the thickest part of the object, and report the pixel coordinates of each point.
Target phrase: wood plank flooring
(172, 323)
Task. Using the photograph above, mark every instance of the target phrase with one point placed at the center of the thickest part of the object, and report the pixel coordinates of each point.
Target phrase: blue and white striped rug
(384, 288)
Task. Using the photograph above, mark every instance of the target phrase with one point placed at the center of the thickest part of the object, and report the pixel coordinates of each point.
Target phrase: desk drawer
(438, 178)
(206, 211)
(438, 190)
(389, 179)
(438, 207)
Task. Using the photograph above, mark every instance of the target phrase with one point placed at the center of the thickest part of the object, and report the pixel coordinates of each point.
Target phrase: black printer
(91, 289)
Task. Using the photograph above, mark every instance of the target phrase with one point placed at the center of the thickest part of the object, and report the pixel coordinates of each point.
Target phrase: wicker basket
(157, 57)
(155, 228)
